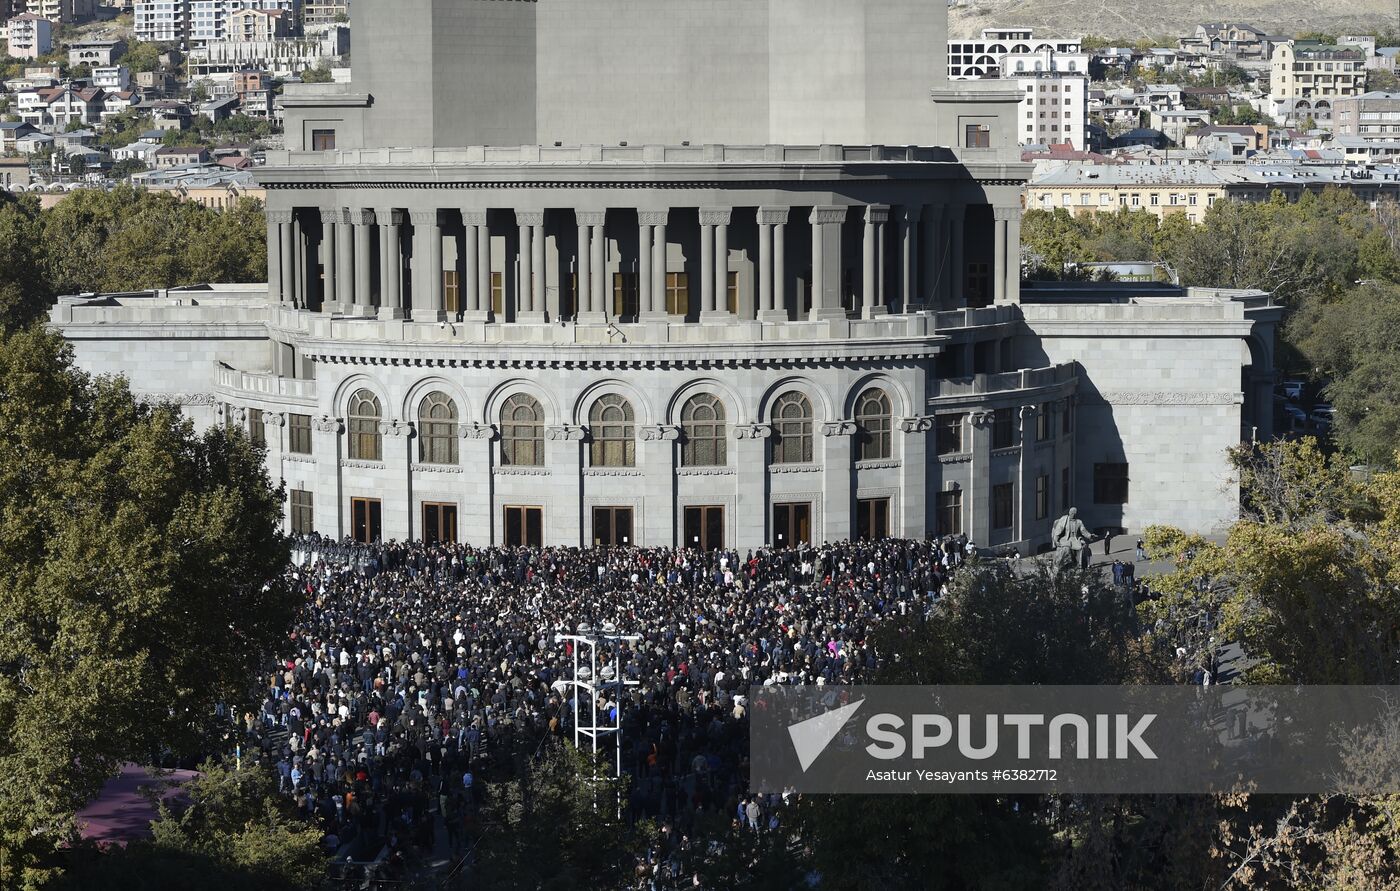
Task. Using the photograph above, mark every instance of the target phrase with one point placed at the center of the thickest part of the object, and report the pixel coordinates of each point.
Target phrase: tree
(232, 831)
(1382, 80)
(1352, 341)
(1057, 237)
(139, 585)
(24, 289)
(142, 56)
(321, 74)
(555, 825)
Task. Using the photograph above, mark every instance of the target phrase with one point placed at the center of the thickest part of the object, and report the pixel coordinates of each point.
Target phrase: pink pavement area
(120, 814)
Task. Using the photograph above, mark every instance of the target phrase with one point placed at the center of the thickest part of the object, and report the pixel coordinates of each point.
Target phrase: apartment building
(199, 22)
(1052, 76)
(1374, 115)
(30, 36)
(983, 57)
(1307, 78)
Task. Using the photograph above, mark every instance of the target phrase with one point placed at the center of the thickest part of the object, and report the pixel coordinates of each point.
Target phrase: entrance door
(704, 527)
(524, 526)
(612, 527)
(364, 519)
(873, 518)
(792, 524)
(439, 522)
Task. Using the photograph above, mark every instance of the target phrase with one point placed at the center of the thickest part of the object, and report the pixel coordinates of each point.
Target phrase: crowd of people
(413, 663)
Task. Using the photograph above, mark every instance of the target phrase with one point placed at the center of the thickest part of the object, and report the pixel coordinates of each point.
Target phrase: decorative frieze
(185, 398)
(395, 427)
(1167, 397)
(328, 424)
(752, 431)
(660, 433)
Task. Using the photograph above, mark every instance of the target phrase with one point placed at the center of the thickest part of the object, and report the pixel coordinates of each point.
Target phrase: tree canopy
(139, 567)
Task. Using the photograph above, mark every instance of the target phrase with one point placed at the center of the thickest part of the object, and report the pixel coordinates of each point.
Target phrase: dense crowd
(413, 663)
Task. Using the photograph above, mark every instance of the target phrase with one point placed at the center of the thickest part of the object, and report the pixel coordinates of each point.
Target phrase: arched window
(437, 429)
(873, 424)
(702, 428)
(522, 432)
(364, 417)
(792, 429)
(614, 434)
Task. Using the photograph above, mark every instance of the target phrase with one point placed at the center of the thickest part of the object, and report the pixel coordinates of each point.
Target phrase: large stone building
(701, 272)
(1307, 78)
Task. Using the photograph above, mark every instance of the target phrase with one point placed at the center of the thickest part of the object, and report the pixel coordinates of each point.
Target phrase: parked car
(1323, 415)
(1297, 418)
(1292, 389)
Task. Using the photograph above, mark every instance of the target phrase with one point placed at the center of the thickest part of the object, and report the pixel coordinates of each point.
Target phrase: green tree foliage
(139, 567)
(142, 56)
(1353, 342)
(321, 74)
(554, 825)
(993, 628)
(231, 831)
(130, 239)
(1307, 581)
(24, 289)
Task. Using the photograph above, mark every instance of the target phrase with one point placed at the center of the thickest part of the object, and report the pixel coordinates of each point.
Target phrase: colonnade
(388, 262)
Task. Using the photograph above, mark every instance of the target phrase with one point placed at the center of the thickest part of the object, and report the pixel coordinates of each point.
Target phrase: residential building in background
(319, 13)
(161, 21)
(1051, 75)
(288, 56)
(30, 36)
(62, 12)
(247, 25)
(95, 52)
(1373, 115)
(1306, 78)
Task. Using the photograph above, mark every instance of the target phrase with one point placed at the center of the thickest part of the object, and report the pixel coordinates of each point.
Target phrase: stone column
(709, 218)
(427, 268)
(483, 256)
(275, 220)
(592, 267)
(537, 263)
(287, 258)
(837, 482)
(328, 509)
(399, 519)
(977, 497)
(1013, 256)
(473, 222)
(344, 260)
(525, 284)
(598, 253)
(751, 511)
(957, 266)
(780, 309)
(390, 263)
(721, 304)
(477, 509)
(363, 221)
(656, 457)
(771, 305)
(909, 258)
(652, 254)
(583, 271)
(999, 258)
(913, 472)
(935, 267)
(298, 295)
(329, 301)
(563, 451)
(660, 258)
(643, 268)
(826, 283)
(872, 290)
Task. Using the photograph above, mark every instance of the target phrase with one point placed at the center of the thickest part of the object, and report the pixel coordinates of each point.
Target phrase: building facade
(1053, 77)
(30, 36)
(1374, 115)
(1307, 78)
(522, 294)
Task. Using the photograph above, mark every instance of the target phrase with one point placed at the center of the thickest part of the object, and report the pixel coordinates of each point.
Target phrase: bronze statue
(1069, 537)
